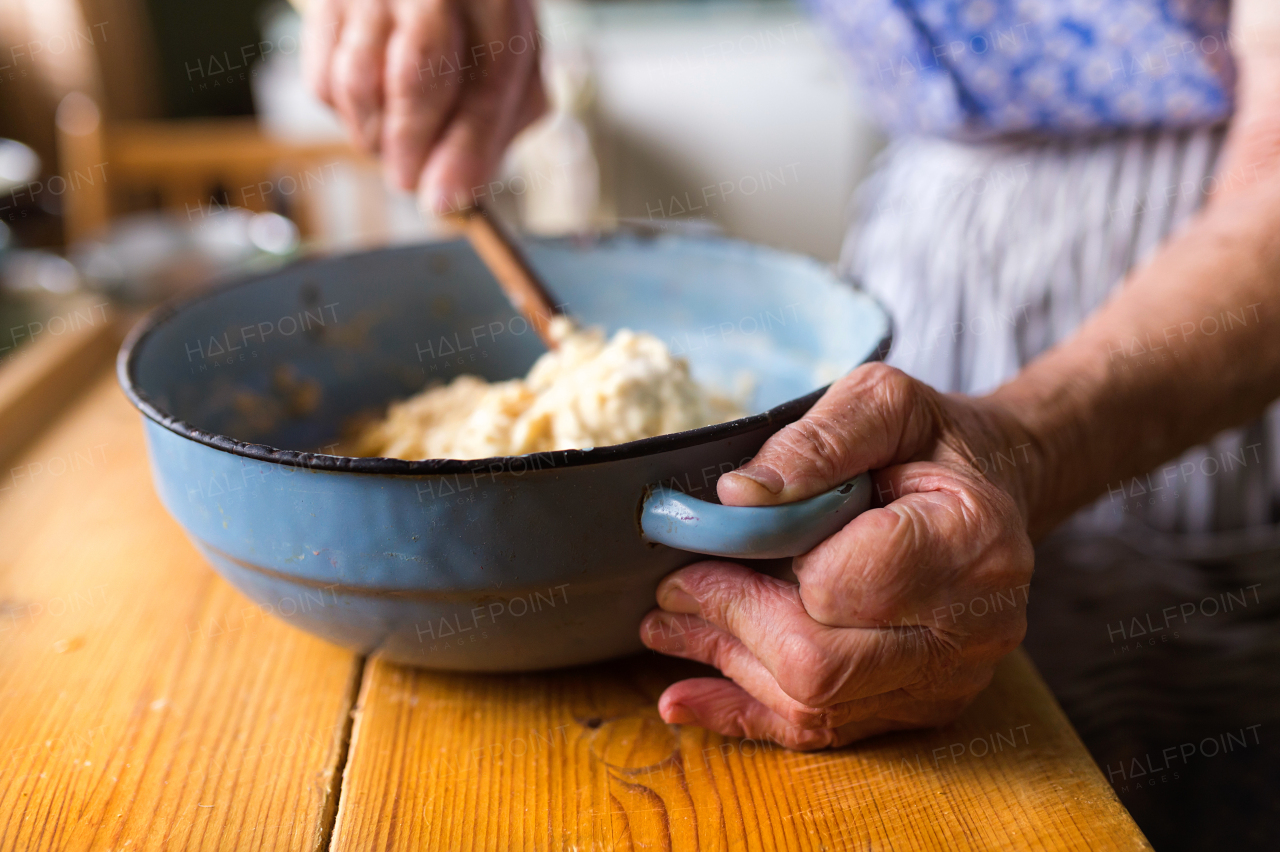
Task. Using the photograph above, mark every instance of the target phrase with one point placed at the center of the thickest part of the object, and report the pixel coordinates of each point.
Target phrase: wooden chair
(195, 167)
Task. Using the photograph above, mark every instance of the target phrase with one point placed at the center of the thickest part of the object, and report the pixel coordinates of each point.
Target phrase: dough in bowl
(588, 392)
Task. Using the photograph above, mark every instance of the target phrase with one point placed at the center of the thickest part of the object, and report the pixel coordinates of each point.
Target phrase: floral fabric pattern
(981, 68)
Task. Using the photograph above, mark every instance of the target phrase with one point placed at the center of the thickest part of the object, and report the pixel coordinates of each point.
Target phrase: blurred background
(151, 146)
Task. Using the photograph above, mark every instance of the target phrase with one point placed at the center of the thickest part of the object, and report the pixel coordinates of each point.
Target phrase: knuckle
(762, 587)
(881, 589)
(817, 440)
(880, 375)
(362, 89)
(887, 388)
(423, 46)
(897, 391)
(891, 376)
(421, 15)
(832, 591)
(714, 597)
(404, 78)
(811, 674)
(356, 68)
(941, 653)
(725, 594)
(350, 87)
(713, 645)
(823, 604)
(876, 372)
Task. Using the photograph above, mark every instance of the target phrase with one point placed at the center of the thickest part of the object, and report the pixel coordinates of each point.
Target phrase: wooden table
(144, 704)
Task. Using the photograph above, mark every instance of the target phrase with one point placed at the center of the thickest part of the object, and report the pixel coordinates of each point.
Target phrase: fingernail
(765, 476)
(661, 634)
(672, 598)
(678, 714)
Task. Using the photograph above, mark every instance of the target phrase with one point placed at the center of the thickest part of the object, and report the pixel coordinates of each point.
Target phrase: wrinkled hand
(899, 618)
(437, 87)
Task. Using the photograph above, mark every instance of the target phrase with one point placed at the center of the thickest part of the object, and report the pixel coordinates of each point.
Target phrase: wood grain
(580, 760)
(143, 703)
(192, 167)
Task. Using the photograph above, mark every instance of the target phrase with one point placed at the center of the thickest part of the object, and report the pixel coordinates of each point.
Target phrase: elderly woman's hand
(898, 620)
(437, 87)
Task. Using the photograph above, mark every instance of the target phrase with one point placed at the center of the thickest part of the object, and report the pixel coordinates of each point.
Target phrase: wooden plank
(146, 705)
(580, 760)
(143, 703)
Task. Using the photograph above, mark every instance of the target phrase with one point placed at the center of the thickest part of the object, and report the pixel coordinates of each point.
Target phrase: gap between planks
(354, 699)
(362, 682)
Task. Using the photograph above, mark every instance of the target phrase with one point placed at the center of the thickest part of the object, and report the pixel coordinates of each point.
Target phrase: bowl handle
(751, 532)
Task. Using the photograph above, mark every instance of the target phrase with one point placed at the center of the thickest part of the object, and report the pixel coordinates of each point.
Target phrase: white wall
(739, 113)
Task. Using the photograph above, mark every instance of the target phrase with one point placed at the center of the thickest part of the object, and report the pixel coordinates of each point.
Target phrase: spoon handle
(517, 278)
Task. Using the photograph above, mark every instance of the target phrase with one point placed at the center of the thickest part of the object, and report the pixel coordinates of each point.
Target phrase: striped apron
(1154, 613)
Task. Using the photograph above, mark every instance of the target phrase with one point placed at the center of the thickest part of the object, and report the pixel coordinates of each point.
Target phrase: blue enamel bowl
(502, 564)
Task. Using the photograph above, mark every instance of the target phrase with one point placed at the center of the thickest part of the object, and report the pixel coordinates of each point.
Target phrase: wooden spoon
(499, 252)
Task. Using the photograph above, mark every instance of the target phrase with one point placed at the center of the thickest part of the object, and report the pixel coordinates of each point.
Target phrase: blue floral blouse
(978, 68)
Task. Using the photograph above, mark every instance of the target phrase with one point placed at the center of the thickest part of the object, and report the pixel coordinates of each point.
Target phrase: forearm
(1189, 346)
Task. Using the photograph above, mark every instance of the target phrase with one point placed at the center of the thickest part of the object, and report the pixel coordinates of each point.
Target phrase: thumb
(871, 418)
